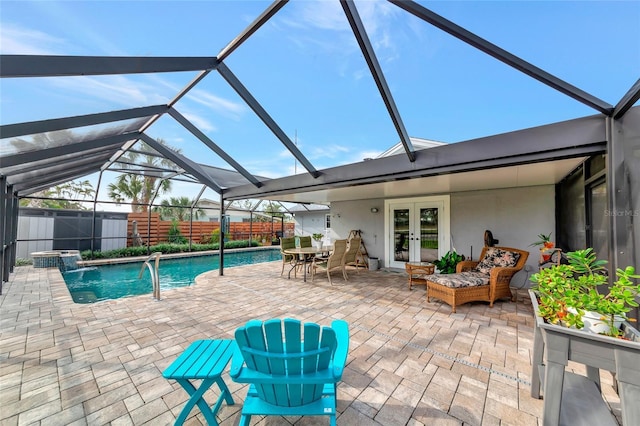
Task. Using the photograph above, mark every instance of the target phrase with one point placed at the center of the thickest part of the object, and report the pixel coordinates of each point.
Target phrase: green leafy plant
(317, 236)
(175, 236)
(566, 292)
(164, 248)
(544, 242)
(447, 263)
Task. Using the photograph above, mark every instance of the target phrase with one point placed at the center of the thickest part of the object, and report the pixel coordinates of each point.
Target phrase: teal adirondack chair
(293, 369)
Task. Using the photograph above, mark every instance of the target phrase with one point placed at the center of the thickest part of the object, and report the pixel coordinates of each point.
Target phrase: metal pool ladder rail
(153, 270)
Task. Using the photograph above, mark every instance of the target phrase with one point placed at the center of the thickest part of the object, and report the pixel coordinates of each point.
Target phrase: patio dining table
(303, 255)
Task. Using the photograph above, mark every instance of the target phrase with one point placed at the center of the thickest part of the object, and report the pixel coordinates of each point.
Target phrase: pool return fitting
(153, 270)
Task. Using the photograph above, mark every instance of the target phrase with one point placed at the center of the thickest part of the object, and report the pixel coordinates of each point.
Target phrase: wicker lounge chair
(485, 280)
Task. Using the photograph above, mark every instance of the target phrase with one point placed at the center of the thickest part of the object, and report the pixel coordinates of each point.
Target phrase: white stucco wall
(350, 215)
(308, 223)
(515, 216)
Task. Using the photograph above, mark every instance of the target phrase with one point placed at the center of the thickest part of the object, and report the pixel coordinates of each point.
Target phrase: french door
(417, 230)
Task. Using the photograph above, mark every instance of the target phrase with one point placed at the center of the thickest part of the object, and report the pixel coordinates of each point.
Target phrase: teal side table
(203, 360)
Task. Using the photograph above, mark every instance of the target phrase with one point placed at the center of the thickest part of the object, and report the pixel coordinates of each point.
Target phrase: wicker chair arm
(466, 265)
(500, 275)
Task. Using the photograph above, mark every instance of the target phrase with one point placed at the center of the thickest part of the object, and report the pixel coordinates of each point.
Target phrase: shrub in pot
(447, 263)
(546, 246)
(567, 292)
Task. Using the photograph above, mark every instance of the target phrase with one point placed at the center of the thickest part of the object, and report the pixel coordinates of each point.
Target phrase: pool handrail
(155, 277)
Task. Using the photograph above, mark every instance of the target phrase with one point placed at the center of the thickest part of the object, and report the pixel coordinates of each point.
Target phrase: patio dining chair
(334, 261)
(305, 241)
(286, 243)
(351, 256)
(292, 368)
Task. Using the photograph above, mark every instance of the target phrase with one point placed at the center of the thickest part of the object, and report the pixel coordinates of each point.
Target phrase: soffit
(547, 173)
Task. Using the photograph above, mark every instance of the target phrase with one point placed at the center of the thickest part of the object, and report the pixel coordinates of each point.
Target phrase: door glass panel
(428, 234)
(598, 225)
(401, 235)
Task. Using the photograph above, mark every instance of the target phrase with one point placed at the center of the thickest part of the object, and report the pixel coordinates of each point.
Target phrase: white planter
(318, 244)
(594, 323)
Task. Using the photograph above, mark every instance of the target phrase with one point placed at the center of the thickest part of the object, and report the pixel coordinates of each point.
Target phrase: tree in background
(127, 187)
(136, 188)
(178, 208)
(175, 236)
(273, 209)
(62, 196)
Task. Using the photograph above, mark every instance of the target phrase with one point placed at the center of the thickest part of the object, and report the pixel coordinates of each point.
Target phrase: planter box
(554, 346)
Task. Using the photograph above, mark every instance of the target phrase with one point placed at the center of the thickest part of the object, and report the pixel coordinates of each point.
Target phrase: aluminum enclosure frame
(614, 131)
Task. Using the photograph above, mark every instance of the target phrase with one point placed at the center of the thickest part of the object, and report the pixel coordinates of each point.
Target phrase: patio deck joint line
(413, 345)
(449, 357)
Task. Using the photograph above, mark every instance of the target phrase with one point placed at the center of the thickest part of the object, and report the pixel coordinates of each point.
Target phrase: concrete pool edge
(72, 296)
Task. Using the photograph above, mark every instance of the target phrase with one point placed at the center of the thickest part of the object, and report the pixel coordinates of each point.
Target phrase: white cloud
(379, 19)
(116, 89)
(225, 107)
(329, 151)
(16, 40)
(366, 154)
(326, 15)
(199, 121)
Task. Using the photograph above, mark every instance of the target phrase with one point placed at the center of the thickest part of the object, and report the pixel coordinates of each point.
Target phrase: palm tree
(273, 209)
(178, 208)
(62, 196)
(136, 188)
(128, 187)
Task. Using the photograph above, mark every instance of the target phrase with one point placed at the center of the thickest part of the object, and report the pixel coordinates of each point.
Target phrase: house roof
(39, 154)
(417, 143)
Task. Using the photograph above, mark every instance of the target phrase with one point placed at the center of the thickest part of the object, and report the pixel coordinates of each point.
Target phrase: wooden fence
(201, 232)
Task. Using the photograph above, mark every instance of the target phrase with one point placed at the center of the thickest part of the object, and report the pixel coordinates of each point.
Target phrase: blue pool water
(89, 285)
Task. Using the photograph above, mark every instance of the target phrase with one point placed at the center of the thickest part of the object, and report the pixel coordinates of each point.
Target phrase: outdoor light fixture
(374, 210)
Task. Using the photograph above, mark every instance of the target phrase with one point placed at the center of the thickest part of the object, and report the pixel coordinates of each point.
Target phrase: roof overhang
(536, 156)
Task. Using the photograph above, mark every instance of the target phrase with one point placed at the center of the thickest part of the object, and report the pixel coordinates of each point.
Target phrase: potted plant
(447, 263)
(571, 294)
(545, 245)
(317, 237)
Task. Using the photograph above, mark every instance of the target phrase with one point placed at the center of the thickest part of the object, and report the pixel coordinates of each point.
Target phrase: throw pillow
(495, 257)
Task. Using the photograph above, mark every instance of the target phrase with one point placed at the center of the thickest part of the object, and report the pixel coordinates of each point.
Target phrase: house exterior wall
(350, 215)
(308, 223)
(515, 216)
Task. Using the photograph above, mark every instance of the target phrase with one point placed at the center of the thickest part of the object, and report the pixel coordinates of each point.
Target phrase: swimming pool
(90, 285)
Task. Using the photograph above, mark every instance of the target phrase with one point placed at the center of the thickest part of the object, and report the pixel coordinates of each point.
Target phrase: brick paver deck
(410, 362)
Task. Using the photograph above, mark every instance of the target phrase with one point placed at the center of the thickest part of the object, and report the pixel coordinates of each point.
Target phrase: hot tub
(61, 259)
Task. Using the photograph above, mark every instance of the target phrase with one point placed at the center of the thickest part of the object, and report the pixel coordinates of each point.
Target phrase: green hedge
(164, 248)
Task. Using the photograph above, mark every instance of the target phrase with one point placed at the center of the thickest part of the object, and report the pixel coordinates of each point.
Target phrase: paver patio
(410, 362)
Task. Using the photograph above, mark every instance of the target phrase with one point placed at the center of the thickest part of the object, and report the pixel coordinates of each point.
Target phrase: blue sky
(305, 68)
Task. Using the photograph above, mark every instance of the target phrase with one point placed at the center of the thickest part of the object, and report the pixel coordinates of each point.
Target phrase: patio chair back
(335, 260)
(351, 255)
(305, 241)
(292, 368)
(286, 243)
